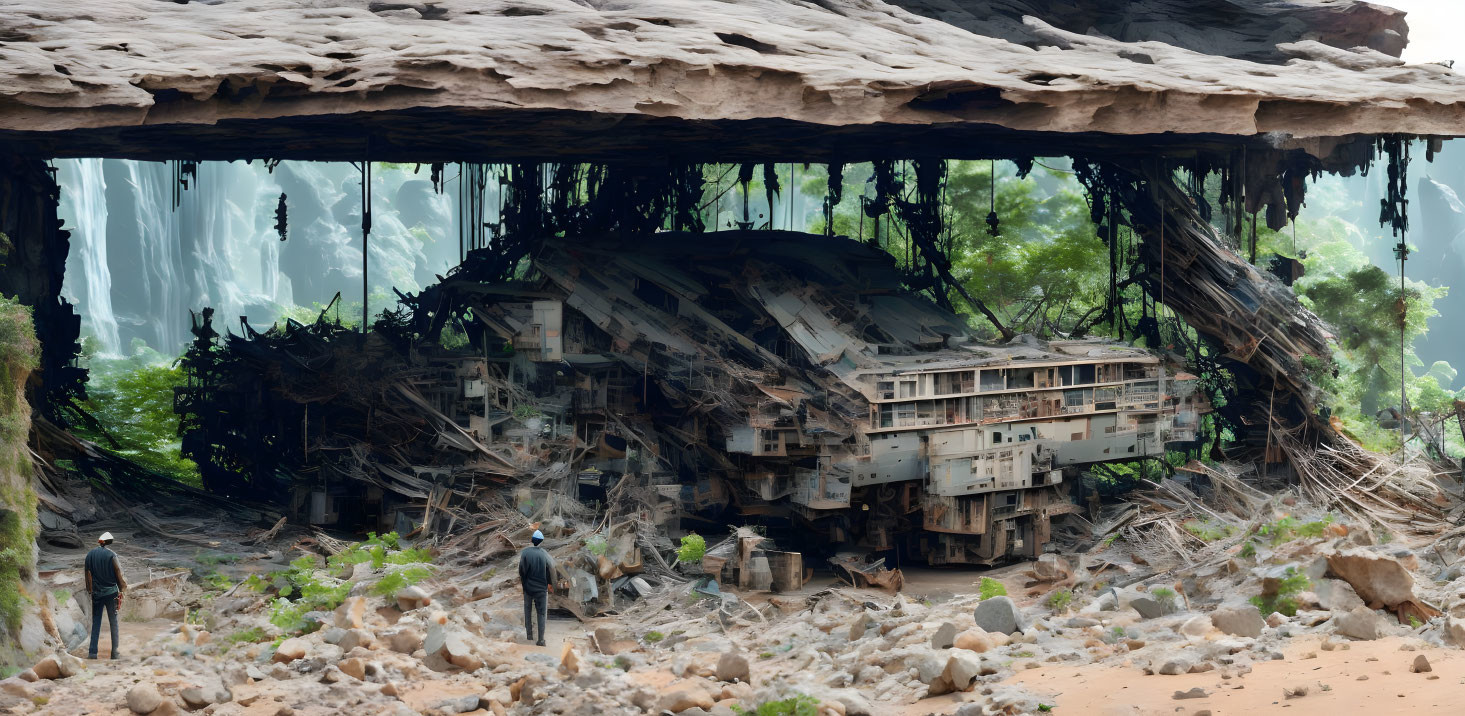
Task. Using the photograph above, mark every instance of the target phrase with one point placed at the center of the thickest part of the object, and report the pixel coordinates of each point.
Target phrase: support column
(32, 264)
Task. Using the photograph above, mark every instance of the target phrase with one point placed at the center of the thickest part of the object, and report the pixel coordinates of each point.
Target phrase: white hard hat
(106, 537)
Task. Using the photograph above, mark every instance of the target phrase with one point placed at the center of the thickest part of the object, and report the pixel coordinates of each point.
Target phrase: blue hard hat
(537, 536)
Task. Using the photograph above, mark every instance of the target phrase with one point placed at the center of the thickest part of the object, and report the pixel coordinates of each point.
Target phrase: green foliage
(596, 545)
(795, 705)
(379, 551)
(1060, 600)
(312, 592)
(1165, 597)
(526, 412)
(1283, 601)
(1248, 550)
(991, 588)
(400, 579)
(652, 637)
(1207, 532)
(217, 582)
(252, 635)
(692, 550)
(1414, 622)
(132, 399)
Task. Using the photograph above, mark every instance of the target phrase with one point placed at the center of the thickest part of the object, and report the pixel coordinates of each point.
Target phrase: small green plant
(692, 550)
(1165, 597)
(653, 636)
(596, 545)
(1059, 600)
(1283, 602)
(623, 662)
(796, 705)
(1024, 655)
(525, 412)
(1109, 541)
(1248, 550)
(765, 655)
(252, 635)
(400, 579)
(1207, 532)
(991, 588)
(217, 582)
(1414, 622)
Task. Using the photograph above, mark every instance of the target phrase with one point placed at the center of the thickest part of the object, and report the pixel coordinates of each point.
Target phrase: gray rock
(1175, 666)
(1239, 621)
(1080, 623)
(1195, 693)
(999, 615)
(1150, 608)
(733, 666)
(458, 704)
(144, 698)
(1421, 665)
(1360, 623)
(944, 637)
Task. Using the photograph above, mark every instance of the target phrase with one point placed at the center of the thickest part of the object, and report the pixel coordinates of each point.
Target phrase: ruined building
(741, 374)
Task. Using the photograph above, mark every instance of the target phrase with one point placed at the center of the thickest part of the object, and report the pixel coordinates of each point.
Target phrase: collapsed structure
(811, 399)
(778, 374)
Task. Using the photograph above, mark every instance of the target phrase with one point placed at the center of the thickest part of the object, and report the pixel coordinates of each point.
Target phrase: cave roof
(339, 79)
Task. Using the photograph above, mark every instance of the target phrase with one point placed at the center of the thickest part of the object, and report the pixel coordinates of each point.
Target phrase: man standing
(536, 570)
(105, 583)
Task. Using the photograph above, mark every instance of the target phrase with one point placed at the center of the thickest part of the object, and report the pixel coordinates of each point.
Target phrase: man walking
(105, 584)
(536, 570)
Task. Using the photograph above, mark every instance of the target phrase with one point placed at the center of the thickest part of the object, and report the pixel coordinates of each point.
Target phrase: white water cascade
(138, 264)
(88, 213)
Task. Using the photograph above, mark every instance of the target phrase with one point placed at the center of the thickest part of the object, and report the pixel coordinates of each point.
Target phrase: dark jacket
(101, 564)
(535, 570)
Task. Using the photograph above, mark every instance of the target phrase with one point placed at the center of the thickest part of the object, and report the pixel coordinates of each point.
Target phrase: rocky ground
(1353, 617)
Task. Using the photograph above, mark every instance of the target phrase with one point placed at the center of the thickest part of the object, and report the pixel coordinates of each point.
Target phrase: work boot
(539, 643)
(91, 656)
(528, 636)
(116, 655)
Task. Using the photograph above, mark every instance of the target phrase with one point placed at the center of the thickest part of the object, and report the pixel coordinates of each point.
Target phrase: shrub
(653, 636)
(992, 588)
(1060, 600)
(1165, 597)
(1283, 601)
(692, 550)
(400, 579)
(796, 705)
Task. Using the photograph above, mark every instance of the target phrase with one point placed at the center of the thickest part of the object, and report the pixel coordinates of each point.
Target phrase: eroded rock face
(1239, 621)
(1378, 579)
(916, 62)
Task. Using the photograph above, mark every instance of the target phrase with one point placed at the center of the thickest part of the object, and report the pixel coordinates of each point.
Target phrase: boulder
(47, 668)
(976, 640)
(69, 665)
(405, 640)
(1239, 621)
(733, 666)
(1151, 608)
(944, 637)
(457, 704)
(1175, 665)
(351, 614)
(450, 645)
(17, 688)
(999, 615)
(197, 697)
(413, 597)
(290, 650)
(1197, 626)
(354, 638)
(681, 698)
(1420, 665)
(144, 698)
(962, 670)
(569, 660)
(1336, 595)
(1455, 628)
(1378, 579)
(353, 667)
(1361, 623)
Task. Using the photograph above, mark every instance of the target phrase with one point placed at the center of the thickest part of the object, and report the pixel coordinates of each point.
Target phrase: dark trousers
(110, 604)
(535, 602)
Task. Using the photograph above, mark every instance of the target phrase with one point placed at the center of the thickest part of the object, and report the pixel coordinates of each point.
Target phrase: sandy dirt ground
(1368, 677)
